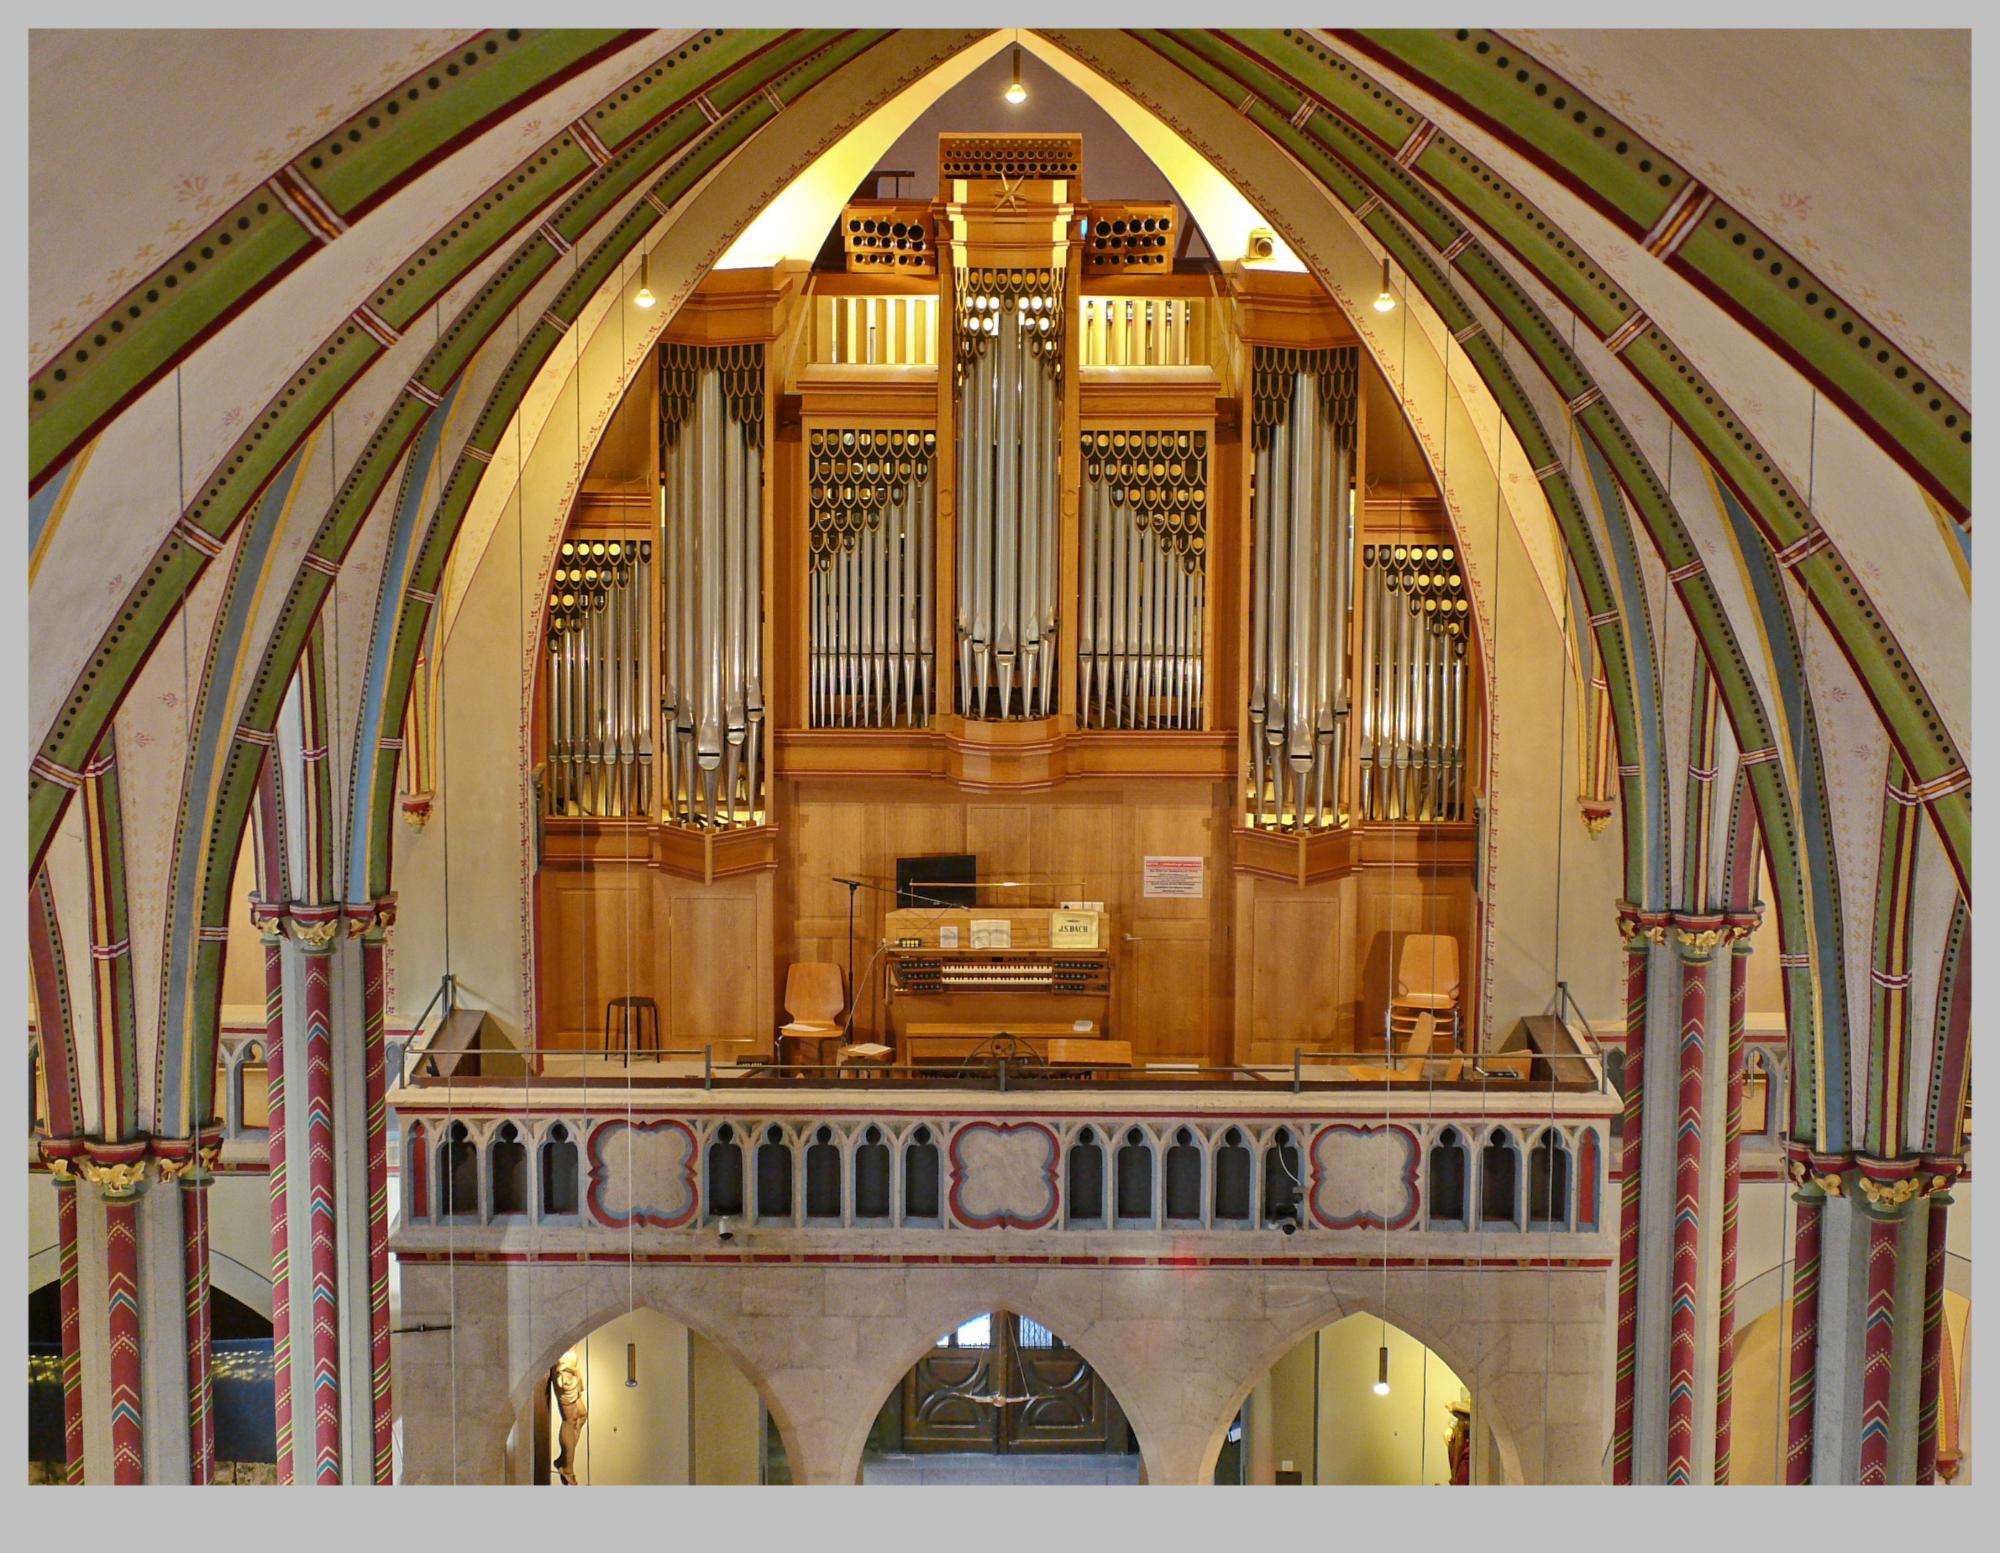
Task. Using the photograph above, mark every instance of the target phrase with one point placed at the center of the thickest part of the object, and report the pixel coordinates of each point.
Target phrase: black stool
(638, 1026)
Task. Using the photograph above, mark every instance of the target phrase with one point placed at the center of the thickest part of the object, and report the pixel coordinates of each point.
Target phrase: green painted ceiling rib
(333, 183)
(1737, 264)
(1889, 1011)
(743, 66)
(1358, 122)
(1361, 177)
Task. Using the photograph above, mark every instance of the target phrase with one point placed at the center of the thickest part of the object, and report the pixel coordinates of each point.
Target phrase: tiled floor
(981, 1470)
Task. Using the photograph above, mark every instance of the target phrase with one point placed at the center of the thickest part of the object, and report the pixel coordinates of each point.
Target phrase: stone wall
(1180, 1346)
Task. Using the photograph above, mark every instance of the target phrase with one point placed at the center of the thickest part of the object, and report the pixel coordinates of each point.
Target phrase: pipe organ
(599, 679)
(1302, 520)
(1414, 633)
(712, 548)
(1009, 377)
(1144, 579)
(943, 518)
(872, 522)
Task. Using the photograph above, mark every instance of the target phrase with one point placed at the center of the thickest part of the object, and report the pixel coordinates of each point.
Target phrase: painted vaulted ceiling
(298, 299)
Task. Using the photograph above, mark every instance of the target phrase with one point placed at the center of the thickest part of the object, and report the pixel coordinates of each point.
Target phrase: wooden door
(1062, 1406)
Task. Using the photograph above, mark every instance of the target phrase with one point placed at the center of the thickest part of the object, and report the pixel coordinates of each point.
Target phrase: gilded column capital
(1741, 926)
(1696, 938)
(190, 1161)
(1817, 1176)
(315, 928)
(1637, 925)
(117, 1170)
(268, 918)
(372, 919)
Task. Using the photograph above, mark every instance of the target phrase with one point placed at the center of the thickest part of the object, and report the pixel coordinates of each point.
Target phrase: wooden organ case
(1015, 534)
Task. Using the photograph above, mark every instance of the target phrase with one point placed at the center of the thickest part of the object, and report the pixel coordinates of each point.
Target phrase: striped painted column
(121, 1287)
(378, 1196)
(72, 1327)
(1692, 945)
(1637, 954)
(1802, 1359)
(281, 1242)
(1732, 1177)
(317, 940)
(1878, 1342)
(1929, 1383)
(194, 1182)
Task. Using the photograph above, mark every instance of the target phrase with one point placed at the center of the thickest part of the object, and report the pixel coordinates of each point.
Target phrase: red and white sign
(1173, 878)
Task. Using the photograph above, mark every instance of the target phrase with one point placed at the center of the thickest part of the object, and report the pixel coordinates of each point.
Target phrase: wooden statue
(567, 1380)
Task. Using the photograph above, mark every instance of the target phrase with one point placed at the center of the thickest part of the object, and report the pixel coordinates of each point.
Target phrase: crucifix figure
(567, 1379)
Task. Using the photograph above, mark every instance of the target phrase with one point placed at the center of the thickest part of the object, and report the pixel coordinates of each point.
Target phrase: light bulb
(1016, 93)
(644, 297)
(1381, 1386)
(1385, 301)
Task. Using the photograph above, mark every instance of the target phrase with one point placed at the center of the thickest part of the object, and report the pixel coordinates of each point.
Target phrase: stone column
(275, 1154)
(1929, 1387)
(1694, 941)
(67, 1294)
(1883, 1214)
(329, 1191)
(1639, 934)
(1802, 1359)
(377, 1120)
(130, 1302)
(316, 938)
(190, 1161)
(1732, 1174)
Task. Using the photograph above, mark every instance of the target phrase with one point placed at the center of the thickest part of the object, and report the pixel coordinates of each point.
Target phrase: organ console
(946, 998)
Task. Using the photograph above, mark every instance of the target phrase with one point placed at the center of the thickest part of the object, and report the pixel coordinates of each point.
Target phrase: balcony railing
(602, 1156)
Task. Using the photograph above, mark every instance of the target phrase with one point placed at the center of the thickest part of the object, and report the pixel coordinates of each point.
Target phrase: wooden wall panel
(595, 944)
(1084, 842)
(704, 953)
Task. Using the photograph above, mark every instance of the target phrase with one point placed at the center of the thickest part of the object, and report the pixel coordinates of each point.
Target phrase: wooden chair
(1419, 1063)
(814, 997)
(868, 1054)
(1427, 981)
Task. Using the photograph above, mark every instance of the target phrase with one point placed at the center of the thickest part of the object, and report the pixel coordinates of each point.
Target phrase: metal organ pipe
(871, 518)
(1143, 578)
(711, 531)
(1009, 378)
(599, 738)
(1413, 718)
(1304, 412)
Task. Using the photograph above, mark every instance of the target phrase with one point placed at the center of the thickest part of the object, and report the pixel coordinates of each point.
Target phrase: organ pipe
(1302, 528)
(872, 522)
(1009, 328)
(1412, 740)
(599, 702)
(1143, 579)
(712, 537)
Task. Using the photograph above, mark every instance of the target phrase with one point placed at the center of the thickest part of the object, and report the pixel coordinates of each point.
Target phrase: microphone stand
(853, 991)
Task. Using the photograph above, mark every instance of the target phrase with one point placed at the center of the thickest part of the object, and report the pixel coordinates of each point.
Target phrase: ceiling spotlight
(1381, 1386)
(1385, 301)
(1016, 93)
(643, 297)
